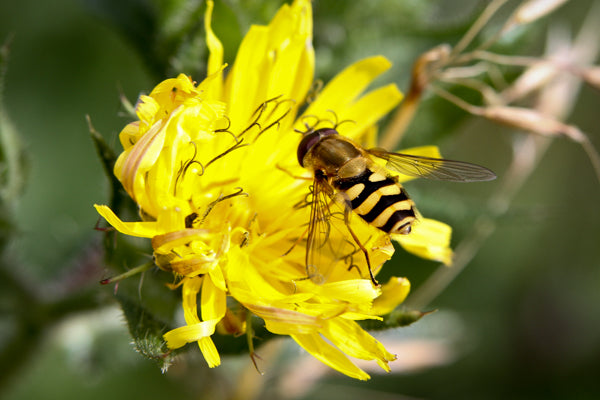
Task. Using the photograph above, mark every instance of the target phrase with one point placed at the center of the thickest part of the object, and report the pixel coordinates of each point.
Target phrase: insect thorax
(338, 157)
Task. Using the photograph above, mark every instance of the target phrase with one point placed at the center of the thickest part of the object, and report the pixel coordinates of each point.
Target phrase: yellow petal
(428, 239)
(217, 278)
(349, 337)
(215, 55)
(139, 229)
(285, 322)
(367, 110)
(213, 303)
(189, 292)
(280, 54)
(329, 355)
(342, 90)
(139, 158)
(146, 110)
(392, 294)
(248, 285)
(209, 351)
(179, 337)
(167, 242)
(352, 290)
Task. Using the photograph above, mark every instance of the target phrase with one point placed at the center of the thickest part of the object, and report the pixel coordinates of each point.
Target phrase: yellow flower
(213, 169)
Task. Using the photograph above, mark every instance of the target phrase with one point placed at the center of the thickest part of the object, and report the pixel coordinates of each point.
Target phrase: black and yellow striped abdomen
(380, 200)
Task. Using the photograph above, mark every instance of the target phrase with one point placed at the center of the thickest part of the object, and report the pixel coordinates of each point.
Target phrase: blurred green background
(522, 320)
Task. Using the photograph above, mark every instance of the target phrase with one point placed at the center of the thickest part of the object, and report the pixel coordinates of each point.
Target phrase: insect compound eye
(310, 139)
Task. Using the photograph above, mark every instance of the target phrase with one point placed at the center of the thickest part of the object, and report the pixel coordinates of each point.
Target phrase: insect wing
(327, 242)
(433, 168)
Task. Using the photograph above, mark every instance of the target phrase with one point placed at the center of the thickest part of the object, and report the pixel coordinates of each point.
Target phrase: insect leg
(347, 214)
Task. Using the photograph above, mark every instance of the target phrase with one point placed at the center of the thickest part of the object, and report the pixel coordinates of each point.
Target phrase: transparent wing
(327, 242)
(433, 168)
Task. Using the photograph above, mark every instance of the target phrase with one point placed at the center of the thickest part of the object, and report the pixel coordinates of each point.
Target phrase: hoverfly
(344, 171)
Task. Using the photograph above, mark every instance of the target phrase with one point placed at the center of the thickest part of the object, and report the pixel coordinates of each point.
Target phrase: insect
(346, 172)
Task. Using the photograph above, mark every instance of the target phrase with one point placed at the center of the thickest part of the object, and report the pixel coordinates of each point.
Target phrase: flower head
(213, 169)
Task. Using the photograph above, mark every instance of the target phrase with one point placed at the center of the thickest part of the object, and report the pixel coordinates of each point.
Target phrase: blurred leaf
(13, 165)
(119, 200)
(168, 34)
(137, 21)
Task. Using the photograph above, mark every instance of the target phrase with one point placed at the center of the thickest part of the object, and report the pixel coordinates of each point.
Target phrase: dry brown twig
(455, 65)
(552, 81)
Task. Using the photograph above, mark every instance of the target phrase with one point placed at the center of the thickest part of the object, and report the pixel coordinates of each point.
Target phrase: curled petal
(179, 337)
(139, 229)
(132, 163)
(166, 242)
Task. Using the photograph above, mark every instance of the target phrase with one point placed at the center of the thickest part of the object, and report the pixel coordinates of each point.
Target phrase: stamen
(240, 192)
(238, 145)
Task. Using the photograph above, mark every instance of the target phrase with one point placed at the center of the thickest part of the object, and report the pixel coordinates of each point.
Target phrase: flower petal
(213, 304)
(342, 90)
(281, 54)
(367, 110)
(139, 158)
(392, 294)
(429, 239)
(209, 351)
(349, 337)
(215, 55)
(285, 322)
(351, 290)
(138, 229)
(179, 337)
(329, 355)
